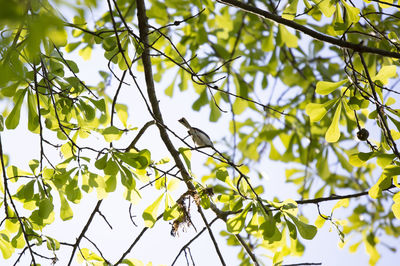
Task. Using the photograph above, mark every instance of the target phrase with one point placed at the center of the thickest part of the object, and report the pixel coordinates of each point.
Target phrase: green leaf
(52, 244)
(396, 210)
(215, 113)
(13, 171)
(122, 113)
(201, 101)
(285, 37)
(236, 223)
(101, 163)
(341, 203)
(111, 168)
(307, 231)
(58, 36)
(5, 246)
(171, 209)
(111, 183)
(112, 133)
(384, 159)
(150, 213)
(317, 111)
(133, 262)
(385, 74)
(109, 43)
(1, 123)
(73, 66)
(333, 132)
(138, 160)
(187, 155)
(338, 23)
(358, 159)
(267, 43)
(344, 162)
(222, 174)
(384, 181)
(12, 119)
(45, 208)
(292, 229)
(326, 87)
(327, 7)
(25, 192)
(33, 118)
(352, 13)
(65, 210)
(86, 52)
(100, 104)
(290, 10)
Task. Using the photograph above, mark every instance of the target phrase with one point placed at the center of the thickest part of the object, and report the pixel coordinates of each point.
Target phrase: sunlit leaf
(150, 213)
(306, 231)
(286, 37)
(333, 132)
(385, 74)
(112, 133)
(290, 10)
(352, 13)
(236, 223)
(326, 87)
(12, 119)
(65, 210)
(317, 111)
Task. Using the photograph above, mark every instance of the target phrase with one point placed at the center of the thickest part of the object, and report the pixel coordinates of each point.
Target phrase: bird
(200, 138)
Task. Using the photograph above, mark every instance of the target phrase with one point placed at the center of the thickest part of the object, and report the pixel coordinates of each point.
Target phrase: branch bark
(143, 31)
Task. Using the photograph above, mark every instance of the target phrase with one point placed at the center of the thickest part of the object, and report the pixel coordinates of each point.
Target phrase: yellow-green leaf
(307, 231)
(171, 209)
(319, 222)
(384, 181)
(290, 10)
(187, 155)
(65, 210)
(327, 7)
(150, 213)
(286, 37)
(86, 53)
(267, 44)
(58, 36)
(12, 120)
(316, 111)
(358, 159)
(112, 133)
(341, 203)
(382, 5)
(326, 87)
(396, 209)
(5, 246)
(385, 74)
(236, 223)
(333, 132)
(352, 13)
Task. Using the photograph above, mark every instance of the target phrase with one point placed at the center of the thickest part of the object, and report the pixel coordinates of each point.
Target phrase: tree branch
(78, 240)
(135, 241)
(143, 30)
(312, 33)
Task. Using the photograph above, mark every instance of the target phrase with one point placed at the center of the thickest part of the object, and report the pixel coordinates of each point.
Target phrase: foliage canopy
(308, 83)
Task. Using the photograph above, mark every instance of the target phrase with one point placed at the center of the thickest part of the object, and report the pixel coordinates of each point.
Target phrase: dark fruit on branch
(362, 134)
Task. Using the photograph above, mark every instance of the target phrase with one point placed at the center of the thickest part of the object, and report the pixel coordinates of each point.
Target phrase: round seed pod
(363, 134)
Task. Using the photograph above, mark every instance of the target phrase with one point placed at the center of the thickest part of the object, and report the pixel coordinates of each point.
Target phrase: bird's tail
(184, 122)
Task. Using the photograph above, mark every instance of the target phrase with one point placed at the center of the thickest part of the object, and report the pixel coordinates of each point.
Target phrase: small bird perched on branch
(200, 138)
